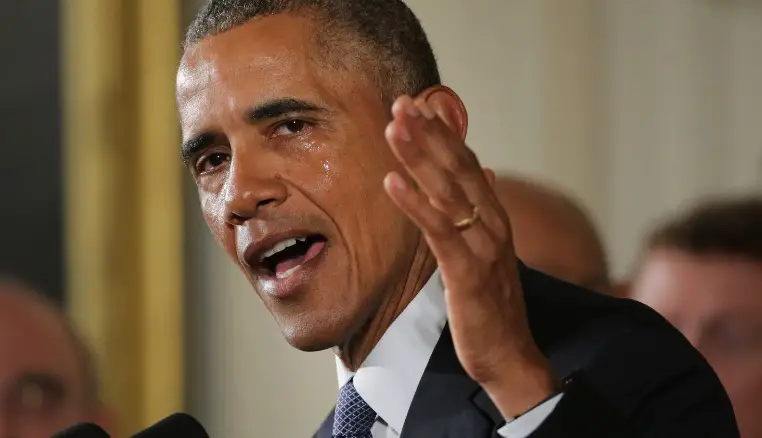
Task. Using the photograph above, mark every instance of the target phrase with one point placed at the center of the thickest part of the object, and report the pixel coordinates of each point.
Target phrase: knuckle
(502, 234)
(455, 163)
(446, 191)
(490, 251)
(443, 188)
(441, 226)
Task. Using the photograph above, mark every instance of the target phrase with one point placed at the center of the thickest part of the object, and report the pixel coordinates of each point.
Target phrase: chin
(314, 333)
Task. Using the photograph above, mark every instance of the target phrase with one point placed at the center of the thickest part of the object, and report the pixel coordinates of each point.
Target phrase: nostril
(239, 217)
(236, 219)
(266, 202)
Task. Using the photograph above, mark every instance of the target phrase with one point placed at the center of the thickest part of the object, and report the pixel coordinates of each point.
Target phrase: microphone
(82, 430)
(176, 425)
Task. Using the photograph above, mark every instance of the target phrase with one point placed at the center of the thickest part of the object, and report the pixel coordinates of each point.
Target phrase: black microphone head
(82, 430)
(176, 425)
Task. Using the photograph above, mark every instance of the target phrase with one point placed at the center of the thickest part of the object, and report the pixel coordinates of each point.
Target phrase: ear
(448, 106)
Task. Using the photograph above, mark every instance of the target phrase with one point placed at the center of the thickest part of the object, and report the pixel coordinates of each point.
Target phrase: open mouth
(288, 255)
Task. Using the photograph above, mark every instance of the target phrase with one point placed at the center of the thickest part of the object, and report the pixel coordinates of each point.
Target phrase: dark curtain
(31, 225)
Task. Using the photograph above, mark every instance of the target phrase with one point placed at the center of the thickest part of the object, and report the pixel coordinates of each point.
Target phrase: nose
(249, 191)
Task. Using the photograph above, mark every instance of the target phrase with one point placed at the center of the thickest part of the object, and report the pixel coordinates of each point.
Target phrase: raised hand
(468, 231)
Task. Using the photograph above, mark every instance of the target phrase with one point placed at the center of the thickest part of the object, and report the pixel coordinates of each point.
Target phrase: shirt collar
(389, 377)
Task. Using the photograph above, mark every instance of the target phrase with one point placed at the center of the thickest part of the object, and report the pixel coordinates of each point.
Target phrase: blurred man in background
(703, 272)
(554, 234)
(47, 377)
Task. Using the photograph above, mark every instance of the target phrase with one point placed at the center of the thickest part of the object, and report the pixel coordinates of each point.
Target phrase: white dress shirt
(389, 377)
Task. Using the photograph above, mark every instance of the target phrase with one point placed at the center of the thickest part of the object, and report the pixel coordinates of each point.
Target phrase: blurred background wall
(636, 107)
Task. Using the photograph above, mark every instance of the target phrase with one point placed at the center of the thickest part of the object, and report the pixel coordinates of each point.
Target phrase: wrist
(524, 385)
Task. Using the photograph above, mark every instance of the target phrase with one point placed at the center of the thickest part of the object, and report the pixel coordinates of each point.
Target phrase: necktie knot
(353, 417)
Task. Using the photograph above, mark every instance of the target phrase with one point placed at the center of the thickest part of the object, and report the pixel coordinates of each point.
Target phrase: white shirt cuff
(523, 426)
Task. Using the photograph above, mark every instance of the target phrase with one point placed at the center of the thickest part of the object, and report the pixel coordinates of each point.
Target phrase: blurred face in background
(42, 381)
(553, 234)
(716, 302)
(569, 256)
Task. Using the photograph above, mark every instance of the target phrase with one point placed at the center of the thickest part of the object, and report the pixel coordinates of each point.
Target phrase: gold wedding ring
(466, 223)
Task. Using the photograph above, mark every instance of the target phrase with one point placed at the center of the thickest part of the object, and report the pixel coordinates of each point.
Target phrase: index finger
(448, 149)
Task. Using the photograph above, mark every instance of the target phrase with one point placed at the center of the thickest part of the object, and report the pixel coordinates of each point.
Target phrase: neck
(393, 302)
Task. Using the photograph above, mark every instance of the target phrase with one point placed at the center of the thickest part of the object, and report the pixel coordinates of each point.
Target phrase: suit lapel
(447, 403)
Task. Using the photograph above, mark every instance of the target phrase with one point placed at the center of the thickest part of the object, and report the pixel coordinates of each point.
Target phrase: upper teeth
(280, 246)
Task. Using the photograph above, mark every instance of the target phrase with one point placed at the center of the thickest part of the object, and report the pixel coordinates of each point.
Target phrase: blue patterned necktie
(353, 417)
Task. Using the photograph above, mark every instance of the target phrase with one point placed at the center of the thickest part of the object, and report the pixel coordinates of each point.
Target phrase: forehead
(677, 281)
(265, 58)
(279, 40)
(32, 339)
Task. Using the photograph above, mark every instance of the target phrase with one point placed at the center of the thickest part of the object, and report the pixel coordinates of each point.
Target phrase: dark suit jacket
(628, 374)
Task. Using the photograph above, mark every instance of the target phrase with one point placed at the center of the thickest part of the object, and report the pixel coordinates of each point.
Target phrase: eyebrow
(280, 107)
(267, 110)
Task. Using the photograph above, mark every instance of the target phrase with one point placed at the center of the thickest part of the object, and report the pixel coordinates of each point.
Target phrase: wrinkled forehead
(264, 59)
(281, 45)
(701, 285)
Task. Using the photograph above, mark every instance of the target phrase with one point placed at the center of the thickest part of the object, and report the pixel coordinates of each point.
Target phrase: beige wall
(682, 100)
(635, 107)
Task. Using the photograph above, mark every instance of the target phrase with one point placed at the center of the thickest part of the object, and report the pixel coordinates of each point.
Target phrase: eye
(211, 161)
(38, 395)
(290, 128)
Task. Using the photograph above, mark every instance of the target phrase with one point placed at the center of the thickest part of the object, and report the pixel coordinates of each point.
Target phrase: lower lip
(288, 285)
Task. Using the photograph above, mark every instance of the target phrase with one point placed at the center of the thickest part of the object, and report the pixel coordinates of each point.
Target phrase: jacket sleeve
(643, 384)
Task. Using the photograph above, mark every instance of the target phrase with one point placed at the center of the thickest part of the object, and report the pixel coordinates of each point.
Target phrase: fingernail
(396, 181)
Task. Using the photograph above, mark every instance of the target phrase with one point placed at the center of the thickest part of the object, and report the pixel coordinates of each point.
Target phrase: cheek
(341, 178)
(323, 175)
(213, 208)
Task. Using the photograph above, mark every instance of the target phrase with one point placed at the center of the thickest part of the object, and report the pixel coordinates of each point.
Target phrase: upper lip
(254, 250)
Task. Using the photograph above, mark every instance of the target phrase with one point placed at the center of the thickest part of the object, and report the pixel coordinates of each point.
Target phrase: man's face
(716, 301)
(41, 378)
(289, 156)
